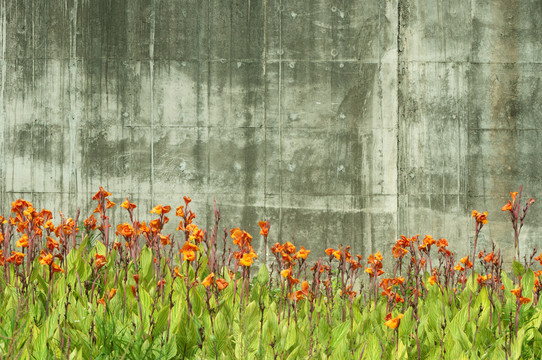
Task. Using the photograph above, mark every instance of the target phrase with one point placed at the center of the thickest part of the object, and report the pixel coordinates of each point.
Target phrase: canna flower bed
(93, 291)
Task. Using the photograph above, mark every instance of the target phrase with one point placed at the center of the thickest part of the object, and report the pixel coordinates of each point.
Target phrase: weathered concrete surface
(341, 122)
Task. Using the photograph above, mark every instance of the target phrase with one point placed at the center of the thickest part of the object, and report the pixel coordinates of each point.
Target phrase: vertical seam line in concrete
(73, 120)
(280, 118)
(209, 142)
(151, 74)
(264, 56)
(2, 104)
(398, 144)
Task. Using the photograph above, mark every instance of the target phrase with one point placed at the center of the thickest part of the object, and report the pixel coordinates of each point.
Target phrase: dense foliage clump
(80, 293)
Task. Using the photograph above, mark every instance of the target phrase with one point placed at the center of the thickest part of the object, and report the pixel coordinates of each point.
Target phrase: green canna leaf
(518, 268)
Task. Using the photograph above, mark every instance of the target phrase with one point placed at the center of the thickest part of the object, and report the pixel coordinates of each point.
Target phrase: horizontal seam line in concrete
(470, 62)
(156, 60)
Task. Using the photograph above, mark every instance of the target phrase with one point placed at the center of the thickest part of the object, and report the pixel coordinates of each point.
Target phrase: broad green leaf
(145, 262)
(518, 268)
(263, 275)
(161, 321)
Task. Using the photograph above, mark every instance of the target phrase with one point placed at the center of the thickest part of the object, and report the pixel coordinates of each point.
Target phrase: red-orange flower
(516, 291)
(177, 272)
(128, 205)
(112, 293)
(101, 193)
(264, 225)
(482, 279)
(394, 323)
(90, 223)
(51, 243)
(99, 261)
(164, 240)
(302, 253)
(56, 268)
(45, 259)
(481, 218)
(109, 204)
(466, 261)
(208, 281)
(247, 259)
(159, 209)
(508, 206)
(189, 255)
(221, 284)
(23, 241)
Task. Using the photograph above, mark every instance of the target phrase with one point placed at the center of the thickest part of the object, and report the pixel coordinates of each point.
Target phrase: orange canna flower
(89, 223)
(159, 209)
(102, 301)
(482, 280)
(136, 278)
(101, 193)
(188, 246)
(394, 323)
(458, 267)
(480, 217)
(99, 261)
(247, 259)
(285, 273)
(508, 206)
(134, 290)
(125, 230)
(517, 292)
(128, 205)
(189, 255)
(112, 293)
(264, 225)
(297, 295)
(52, 243)
(293, 280)
(442, 242)
(56, 268)
(109, 204)
(22, 242)
(208, 280)
(177, 272)
(305, 288)
(187, 199)
(221, 284)
(16, 258)
(288, 247)
(433, 279)
(302, 253)
(45, 259)
(164, 240)
(466, 261)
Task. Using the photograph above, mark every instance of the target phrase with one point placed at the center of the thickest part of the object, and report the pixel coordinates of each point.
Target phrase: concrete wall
(340, 121)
